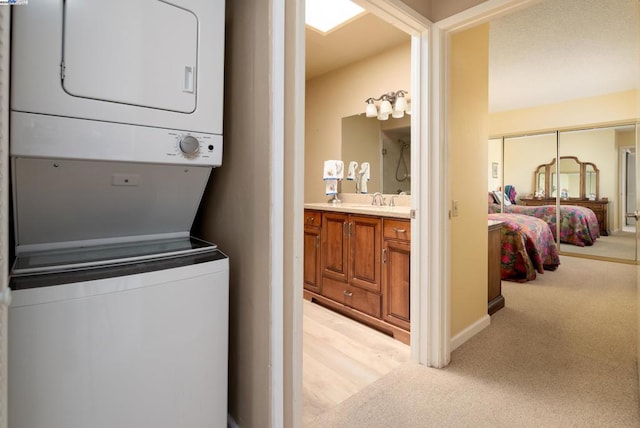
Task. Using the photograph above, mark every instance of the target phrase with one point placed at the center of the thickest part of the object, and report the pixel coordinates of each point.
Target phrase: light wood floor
(341, 357)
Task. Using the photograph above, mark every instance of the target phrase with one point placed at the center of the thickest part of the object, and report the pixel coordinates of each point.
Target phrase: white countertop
(362, 208)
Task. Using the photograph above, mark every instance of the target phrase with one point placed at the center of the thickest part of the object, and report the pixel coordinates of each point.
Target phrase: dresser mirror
(386, 145)
(577, 180)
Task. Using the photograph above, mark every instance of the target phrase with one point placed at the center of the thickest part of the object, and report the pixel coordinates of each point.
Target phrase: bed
(578, 225)
(528, 247)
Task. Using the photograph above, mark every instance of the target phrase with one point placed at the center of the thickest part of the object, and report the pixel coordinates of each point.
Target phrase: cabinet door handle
(396, 230)
(318, 241)
(384, 255)
(344, 228)
(350, 230)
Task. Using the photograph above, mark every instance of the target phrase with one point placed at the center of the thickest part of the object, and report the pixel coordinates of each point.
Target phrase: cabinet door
(312, 259)
(365, 240)
(395, 279)
(334, 246)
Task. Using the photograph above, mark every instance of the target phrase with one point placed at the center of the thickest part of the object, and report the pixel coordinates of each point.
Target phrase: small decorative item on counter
(332, 173)
(564, 194)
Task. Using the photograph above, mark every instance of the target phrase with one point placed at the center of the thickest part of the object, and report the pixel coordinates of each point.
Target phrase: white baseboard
(231, 423)
(469, 332)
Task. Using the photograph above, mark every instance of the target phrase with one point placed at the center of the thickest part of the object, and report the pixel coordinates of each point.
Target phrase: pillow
(497, 195)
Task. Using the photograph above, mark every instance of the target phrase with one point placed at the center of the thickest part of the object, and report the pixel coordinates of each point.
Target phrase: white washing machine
(119, 335)
(119, 317)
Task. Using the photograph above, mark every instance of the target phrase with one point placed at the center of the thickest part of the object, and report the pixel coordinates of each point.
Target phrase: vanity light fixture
(391, 103)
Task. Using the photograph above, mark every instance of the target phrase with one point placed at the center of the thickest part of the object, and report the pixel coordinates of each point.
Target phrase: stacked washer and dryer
(119, 317)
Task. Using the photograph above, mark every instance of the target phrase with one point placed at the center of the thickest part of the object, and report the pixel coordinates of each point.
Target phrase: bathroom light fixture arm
(390, 96)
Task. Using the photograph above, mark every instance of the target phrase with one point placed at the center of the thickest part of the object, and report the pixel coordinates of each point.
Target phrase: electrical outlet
(454, 208)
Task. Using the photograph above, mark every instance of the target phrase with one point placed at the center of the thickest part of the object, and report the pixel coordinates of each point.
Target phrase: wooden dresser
(495, 299)
(599, 207)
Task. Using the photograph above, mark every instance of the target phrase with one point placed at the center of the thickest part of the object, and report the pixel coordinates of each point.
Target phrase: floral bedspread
(578, 225)
(528, 247)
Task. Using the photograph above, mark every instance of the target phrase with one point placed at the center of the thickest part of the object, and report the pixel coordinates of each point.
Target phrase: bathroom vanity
(356, 262)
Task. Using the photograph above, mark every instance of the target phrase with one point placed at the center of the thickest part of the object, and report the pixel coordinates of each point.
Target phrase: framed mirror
(386, 145)
(572, 181)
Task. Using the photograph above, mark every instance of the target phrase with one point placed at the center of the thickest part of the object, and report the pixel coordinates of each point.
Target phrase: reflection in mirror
(597, 170)
(522, 158)
(569, 178)
(386, 145)
(590, 181)
(607, 188)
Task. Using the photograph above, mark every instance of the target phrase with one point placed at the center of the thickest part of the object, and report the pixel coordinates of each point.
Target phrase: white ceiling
(560, 50)
(553, 51)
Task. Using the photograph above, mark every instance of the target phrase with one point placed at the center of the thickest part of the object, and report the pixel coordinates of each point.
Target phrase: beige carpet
(618, 245)
(562, 353)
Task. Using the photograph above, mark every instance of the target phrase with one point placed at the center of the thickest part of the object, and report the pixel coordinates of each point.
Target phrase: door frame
(430, 298)
(5, 293)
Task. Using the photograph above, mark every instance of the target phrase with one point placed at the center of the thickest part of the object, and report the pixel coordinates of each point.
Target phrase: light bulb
(385, 107)
(401, 103)
(371, 111)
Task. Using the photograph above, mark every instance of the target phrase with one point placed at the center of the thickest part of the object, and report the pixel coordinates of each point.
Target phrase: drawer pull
(396, 230)
(347, 293)
(310, 220)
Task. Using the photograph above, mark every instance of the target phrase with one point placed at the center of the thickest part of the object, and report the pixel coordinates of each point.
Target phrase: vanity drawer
(356, 298)
(397, 229)
(312, 218)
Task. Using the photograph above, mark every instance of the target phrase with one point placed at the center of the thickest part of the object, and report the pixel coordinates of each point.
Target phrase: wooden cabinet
(495, 299)
(347, 273)
(396, 258)
(599, 207)
(351, 261)
(312, 274)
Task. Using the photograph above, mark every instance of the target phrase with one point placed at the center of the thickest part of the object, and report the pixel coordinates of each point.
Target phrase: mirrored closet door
(583, 182)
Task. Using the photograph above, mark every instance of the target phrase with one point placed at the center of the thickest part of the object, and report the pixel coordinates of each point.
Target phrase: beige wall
(436, 10)
(611, 108)
(342, 93)
(468, 134)
(441, 9)
(235, 212)
(522, 156)
(494, 155)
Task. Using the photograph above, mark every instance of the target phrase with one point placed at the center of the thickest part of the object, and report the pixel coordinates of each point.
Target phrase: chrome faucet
(393, 198)
(374, 196)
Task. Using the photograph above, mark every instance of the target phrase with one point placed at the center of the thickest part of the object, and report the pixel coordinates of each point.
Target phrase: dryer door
(101, 53)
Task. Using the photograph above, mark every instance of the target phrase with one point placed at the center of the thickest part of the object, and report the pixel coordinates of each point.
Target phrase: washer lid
(99, 62)
(66, 259)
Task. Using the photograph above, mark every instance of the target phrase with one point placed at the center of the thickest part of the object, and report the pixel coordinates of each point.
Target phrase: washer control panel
(194, 146)
(46, 136)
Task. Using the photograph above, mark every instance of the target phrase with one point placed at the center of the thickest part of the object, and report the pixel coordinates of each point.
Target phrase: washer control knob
(189, 145)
